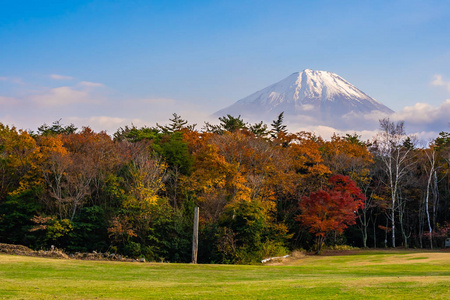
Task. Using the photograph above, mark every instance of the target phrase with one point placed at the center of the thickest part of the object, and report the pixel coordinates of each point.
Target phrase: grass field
(361, 275)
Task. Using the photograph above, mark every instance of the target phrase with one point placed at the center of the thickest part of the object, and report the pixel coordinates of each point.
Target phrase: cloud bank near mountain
(325, 103)
(317, 101)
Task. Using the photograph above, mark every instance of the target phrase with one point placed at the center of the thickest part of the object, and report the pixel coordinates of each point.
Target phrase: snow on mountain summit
(320, 95)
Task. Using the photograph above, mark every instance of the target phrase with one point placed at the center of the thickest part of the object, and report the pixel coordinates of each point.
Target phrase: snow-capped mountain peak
(321, 95)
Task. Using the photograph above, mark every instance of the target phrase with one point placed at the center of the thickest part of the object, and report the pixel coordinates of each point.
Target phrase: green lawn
(364, 275)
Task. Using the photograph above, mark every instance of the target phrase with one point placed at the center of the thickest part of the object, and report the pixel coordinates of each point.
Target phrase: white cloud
(423, 120)
(424, 137)
(327, 132)
(83, 92)
(139, 112)
(105, 120)
(61, 96)
(107, 123)
(424, 116)
(324, 131)
(98, 123)
(307, 107)
(60, 77)
(438, 81)
(90, 84)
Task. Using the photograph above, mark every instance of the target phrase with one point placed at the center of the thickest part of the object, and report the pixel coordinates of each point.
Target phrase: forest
(262, 191)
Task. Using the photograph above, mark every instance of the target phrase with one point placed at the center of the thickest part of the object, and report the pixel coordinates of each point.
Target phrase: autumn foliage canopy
(261, 192)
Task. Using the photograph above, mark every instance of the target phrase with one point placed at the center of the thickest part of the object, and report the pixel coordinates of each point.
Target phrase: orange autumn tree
(331, 209)
(307, 160)
(19, 160)
(348, 156)
(206, 184)
(229, 168)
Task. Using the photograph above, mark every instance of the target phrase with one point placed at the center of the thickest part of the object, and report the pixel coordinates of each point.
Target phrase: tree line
(262, 191)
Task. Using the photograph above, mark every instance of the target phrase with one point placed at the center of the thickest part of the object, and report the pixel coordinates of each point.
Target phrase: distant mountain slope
(321, 97)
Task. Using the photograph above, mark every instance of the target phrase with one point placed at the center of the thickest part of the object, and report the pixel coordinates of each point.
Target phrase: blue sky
(107, 63)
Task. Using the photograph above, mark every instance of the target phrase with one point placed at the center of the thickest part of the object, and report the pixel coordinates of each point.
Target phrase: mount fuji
(311, 98)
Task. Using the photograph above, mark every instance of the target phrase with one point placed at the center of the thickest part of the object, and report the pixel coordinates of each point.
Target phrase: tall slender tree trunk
(400, 218)
(435, 198)
(430, 231)
(395, 156)
(420, 226)
(365, 237)
(394, 184)
(374, 233)
(431, 159)
(393, 223)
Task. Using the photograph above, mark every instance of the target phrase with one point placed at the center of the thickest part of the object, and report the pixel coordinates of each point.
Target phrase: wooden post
(195, 236)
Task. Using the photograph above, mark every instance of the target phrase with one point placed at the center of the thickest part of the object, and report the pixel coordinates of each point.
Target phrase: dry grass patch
(416, 258)
(374, 281)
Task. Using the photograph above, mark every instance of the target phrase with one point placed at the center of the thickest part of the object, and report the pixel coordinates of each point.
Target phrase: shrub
(132, 249)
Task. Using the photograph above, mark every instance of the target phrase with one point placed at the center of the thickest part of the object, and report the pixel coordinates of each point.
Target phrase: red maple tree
(332, 208)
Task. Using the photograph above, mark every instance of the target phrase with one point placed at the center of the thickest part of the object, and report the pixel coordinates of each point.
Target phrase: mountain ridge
(320, 96)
